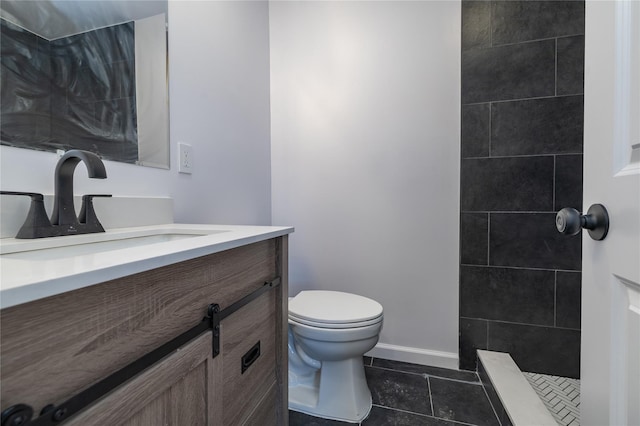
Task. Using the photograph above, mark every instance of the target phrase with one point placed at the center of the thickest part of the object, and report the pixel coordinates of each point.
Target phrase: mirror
(86, 74)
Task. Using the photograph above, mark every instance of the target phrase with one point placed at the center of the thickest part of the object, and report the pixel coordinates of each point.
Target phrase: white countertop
(26, 280)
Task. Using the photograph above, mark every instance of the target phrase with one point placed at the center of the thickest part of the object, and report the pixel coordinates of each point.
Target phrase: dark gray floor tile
(545, 350)
(300, 419)
(570, 65)
(473, 336)
(381, 416)
(531, 240)
(568, 182)
(537, 126)
(516, 21)
(408, 367)
(404, 391)
(509, 72)
(476, 24)
(474, 238)
(514, 295)
(475, 130)
(507, 184)
(367, 360)
(568, 299)
(463, 402)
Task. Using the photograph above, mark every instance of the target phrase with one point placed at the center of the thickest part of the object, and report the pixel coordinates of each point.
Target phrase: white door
(610, 365)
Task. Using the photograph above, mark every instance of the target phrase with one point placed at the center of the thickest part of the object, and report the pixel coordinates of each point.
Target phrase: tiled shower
(522, 125)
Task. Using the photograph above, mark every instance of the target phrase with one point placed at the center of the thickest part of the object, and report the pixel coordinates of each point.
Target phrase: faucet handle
(34, 195)
(37, 223)
(88, 214)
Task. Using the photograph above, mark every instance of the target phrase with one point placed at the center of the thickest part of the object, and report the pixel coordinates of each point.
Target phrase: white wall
(219, 56)
(219, 104)
(365, 140)
(365, 160)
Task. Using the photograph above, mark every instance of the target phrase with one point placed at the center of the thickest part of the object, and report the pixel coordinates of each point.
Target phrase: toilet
(329, 332)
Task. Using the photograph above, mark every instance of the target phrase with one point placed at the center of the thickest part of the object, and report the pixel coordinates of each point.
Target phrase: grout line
(425, 375)
(433, 412)
(487, 347)
(556, 67)
(511, 212)
(490, 119)
(422, 415)
(554, 154)
(522, 268)
(398, 371)
(474, 383)
(491, 24)
(536, 40)
(555, 299)
(533, 98)
(554, 184)
(488, 239)
(517, 323)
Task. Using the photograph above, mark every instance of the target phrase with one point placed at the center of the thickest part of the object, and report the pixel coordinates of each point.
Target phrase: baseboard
(415, 355)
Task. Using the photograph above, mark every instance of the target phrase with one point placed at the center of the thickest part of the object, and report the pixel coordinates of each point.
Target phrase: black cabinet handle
(250, 357)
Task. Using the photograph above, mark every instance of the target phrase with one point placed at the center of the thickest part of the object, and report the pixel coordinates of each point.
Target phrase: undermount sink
(80, 245)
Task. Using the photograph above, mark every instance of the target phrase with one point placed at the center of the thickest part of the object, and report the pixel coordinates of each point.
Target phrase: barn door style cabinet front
(199, 342)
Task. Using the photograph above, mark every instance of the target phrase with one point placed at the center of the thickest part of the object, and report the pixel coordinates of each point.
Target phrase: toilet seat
(334, 310)
(296, 320)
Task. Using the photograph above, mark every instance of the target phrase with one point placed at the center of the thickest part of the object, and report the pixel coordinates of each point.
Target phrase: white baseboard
(415, 355)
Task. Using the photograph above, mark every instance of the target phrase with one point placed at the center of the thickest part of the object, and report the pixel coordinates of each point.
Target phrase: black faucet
(63, 218)
(64, 212)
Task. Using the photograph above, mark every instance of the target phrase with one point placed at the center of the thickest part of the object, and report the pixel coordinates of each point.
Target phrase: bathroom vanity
(181, 331)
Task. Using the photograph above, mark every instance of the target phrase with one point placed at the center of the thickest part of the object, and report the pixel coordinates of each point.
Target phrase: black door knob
(569, 221)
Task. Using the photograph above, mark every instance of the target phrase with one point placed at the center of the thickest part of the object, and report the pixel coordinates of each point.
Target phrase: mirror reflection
(87, 75)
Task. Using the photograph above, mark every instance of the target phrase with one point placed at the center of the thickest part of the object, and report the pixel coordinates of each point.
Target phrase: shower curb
(513, 399)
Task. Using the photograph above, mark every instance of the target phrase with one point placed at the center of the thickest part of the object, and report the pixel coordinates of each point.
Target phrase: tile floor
(416, 395)
(560, 395)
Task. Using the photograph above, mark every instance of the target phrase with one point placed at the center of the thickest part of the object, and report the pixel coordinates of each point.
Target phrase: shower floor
(560, 395)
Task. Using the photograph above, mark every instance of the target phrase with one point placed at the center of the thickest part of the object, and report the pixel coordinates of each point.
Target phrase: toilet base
(339, 393)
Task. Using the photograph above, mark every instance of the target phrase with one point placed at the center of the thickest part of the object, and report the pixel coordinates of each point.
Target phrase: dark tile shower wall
(73, 92)
(522, 126)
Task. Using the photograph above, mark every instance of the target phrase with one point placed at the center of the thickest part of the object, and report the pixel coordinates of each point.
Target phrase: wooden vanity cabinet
(54, 348)
(180, 390)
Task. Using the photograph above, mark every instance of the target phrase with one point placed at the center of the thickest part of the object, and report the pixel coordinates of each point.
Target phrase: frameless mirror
(86, 74)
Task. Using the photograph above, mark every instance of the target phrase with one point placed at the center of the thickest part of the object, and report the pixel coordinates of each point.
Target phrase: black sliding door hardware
(20, 414)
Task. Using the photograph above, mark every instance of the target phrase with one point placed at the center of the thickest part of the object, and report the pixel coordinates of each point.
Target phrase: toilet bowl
(329, 332)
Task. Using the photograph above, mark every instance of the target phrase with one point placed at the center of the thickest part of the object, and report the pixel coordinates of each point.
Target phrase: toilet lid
(346, 325)
(333, 307)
